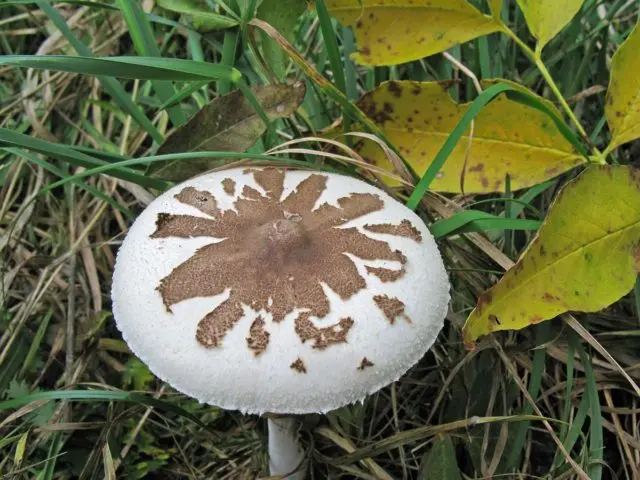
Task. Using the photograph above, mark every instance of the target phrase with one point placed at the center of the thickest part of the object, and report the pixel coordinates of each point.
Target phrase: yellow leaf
(545, 18)
(582, 258)
(496, 8)
(508, 138)
(623, 96)
(389, 32)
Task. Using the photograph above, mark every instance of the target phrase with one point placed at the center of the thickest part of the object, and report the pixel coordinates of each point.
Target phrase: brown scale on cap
(322, 337)
(391, 307)
(258, 338)
(229, 186)
(273, 255)
(298, 366)
(404, 229)
(365, 363)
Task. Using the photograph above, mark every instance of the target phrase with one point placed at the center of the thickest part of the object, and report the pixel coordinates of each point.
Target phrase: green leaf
(623, 96)
(144, 68)
(440, 462)
(229, 123)
(202, 17)
(545, 18)
(283, 16)
(389, 32)
(585, 256)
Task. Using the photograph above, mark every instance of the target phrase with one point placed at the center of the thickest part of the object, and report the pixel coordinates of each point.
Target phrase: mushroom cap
(282, 291)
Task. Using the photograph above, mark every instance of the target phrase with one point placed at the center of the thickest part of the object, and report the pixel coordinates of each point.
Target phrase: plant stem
(536, 57)
(285, 453)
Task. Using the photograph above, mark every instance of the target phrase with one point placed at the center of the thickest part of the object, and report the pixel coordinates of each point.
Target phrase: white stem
(285, 452)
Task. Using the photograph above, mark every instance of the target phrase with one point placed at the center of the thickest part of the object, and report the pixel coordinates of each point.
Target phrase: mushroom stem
(285, 453)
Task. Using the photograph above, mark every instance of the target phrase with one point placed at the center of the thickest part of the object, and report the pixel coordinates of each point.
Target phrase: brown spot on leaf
(258, 338)
(229, 186)
(391, 307)
(366, 51)
(484, 181)
(483, 300)
(298, 366)
(395, 89)
(494, 319)
(536, 319)
(404, 229)
(265, 243)
(551, 172)
(477, 168)
(365, 363)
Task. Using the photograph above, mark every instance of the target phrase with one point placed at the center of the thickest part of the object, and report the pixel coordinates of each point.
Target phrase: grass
(75, 403)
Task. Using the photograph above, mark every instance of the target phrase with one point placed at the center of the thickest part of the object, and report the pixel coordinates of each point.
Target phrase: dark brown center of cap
(281, 237)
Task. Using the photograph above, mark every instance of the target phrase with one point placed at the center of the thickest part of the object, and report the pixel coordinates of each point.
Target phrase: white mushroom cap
(266, 290)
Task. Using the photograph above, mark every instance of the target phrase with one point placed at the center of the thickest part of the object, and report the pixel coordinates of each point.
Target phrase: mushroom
(279, 292)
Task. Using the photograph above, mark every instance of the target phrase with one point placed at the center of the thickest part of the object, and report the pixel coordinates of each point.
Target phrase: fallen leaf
(582, 258)
(389, 32)
(623, 96)
(508, 138)
(229, 123)
(545, 18)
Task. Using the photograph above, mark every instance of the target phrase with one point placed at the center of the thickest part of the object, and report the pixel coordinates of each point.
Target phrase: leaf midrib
(475, 138)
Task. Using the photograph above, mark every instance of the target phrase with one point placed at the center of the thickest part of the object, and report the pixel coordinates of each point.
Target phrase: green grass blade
(102, 396)
(84, 3)
(53, 454)
(518, 438)
(350, 73)
(176, 156)
(67, 154)
(596, 441)
(111, 86)
(182, 94)
(144, 41)
(62, 174)
(143, 68)
(331, 45)
(35, 344)
(229, 47)
(575, 430)
(478, 221)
